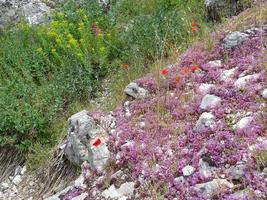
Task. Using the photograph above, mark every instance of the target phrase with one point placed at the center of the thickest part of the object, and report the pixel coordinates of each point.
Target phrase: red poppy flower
(194, 29)
(193, 23)
(195, 68)
(125, 66)
(97, 142)
(186, 71)
(164, 71)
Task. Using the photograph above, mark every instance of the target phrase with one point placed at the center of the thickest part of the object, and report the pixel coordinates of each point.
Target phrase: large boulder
(86, 140)
(216, 9)
(33, 11)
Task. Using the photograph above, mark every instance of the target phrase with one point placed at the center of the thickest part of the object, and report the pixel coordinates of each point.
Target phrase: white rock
(98, 156)
(212, 187)
(215, 63)
(264, 93)
(243, 123)
(179, 180)
(206, 119)
(79, 182)
(204, 88)
(241, 82)
(227, 74)
(126, 189)
(135, 91)
(209, 101)
(23, 170)
(17, 179)
(188, 170)
(4, 186)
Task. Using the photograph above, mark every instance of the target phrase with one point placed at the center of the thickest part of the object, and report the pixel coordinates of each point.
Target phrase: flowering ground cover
(158, 139)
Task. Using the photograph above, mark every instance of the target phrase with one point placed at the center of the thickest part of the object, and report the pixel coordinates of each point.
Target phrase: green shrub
(44, 69)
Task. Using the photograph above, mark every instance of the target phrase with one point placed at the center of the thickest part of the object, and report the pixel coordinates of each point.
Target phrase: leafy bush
(45, 68)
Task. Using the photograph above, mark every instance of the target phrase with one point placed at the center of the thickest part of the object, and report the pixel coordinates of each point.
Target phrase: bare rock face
(86, 140)
(215, 9)
(33, 11)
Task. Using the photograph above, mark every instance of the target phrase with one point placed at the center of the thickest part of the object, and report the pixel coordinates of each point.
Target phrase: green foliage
(43, 69)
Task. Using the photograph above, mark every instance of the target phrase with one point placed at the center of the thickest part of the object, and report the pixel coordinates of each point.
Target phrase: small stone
(135, 91)
(188, 170)
(243, 123)
(215, 63)
(209, 101)
(126, 189)
(212, 187)
(79, 182)
(227, 74)
(264, 93)
(206, 119)
(179, 180)
(241, 82)
(17, 179)
(234, 39)
(205, 88)
(23, 170)
(4, 186)
(18, 170)
(236, 172)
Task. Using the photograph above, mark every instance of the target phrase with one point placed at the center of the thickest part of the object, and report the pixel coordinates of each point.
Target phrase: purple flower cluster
(158, 140)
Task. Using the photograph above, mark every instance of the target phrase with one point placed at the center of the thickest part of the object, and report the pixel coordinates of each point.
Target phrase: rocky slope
(195, 132)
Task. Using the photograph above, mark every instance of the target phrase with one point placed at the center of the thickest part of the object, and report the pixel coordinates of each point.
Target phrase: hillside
(193, 129)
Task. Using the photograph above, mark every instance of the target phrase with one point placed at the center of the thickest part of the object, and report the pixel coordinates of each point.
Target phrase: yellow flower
(54, 24)
(52, 34)
(69, 36)
(39, 50)
(102, 49)
(73, 42)
(58, 41)
(68, 46)
(53, 50)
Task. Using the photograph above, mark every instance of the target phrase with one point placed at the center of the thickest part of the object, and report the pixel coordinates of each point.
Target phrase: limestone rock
(205, 88)
(264, 93)
(236, 172)
(234, 39)
(188, 170)
(206, 119)
(227, 74)
(213, 187)
(135, 91)
(242, 81)
(98, 156)
(83, 129)
(243, 123)
(125, 190)
(215, 63)
(209, 101)
(34, 11)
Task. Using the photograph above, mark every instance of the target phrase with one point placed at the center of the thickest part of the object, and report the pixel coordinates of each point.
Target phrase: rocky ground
(197, 131)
